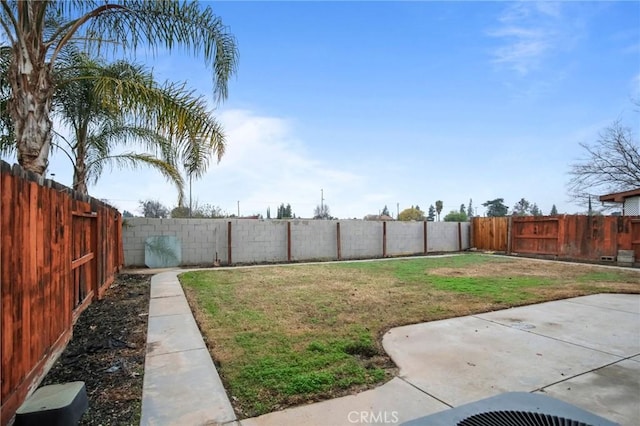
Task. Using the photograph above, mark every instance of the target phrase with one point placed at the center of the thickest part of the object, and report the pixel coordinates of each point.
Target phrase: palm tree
(36, 47)
(111, 106)
(438, 208)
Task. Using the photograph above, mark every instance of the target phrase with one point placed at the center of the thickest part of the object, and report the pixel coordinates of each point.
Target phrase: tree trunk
(80, 166)
(80, 179)
(30, 105)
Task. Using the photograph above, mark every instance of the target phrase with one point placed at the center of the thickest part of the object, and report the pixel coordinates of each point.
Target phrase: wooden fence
(567, 237)
(59, 251)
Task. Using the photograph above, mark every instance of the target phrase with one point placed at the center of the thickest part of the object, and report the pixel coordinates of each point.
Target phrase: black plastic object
(513, 409)
(54, 405)
(517, 418)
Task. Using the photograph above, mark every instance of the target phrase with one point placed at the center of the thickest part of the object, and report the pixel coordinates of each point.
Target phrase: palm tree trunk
(80, 167)
(80, 179)
(30, 106)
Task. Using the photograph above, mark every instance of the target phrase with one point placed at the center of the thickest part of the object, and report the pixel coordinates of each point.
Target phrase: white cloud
(530, 32)
(264, 165)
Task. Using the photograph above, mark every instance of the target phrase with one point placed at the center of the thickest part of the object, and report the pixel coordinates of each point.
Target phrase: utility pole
(397, 211)
(190, 197)
(322, 203)
(238, 208)
(187, 166)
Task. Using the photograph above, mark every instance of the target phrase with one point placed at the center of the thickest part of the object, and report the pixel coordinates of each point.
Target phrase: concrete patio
(584, 351)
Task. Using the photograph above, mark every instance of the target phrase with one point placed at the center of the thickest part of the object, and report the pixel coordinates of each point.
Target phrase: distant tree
(205, 211)
(127, 213)
(496, 208)
(554, 210)
(153, 208)
(417, 207)
(208, 211)
(470, 213)
(432, 213)
(321, 212)
(454, 216)
(611, 164)
(385, 211)
(463, 209)
(180, 212)
(535, 210)
(439, 208)
(411, 213)
(522, 208)
(284, 212)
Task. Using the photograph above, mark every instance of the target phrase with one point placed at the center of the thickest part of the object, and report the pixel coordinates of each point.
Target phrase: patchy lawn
(286, 335)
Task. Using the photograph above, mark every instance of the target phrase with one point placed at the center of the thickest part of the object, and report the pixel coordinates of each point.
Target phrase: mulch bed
(107, 352)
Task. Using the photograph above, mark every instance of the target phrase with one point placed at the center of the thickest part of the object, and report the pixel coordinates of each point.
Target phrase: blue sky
(404, 103)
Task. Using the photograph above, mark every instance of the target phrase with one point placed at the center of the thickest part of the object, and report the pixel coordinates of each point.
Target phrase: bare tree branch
(612, 164)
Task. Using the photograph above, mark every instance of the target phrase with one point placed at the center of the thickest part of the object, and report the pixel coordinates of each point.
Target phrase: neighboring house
(630, 201)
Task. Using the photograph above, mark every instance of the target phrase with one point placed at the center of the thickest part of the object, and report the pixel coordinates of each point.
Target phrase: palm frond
(174, 111)
(169, 25)
(134, 160)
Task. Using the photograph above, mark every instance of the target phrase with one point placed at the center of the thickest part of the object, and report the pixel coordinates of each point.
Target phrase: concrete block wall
(263, 241)
(258, 241)
(313, 240)
(360, 239)
(201, 239)
(405, 238)
(443, 236)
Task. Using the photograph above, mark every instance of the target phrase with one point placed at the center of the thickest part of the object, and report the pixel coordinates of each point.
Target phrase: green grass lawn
(285, 335)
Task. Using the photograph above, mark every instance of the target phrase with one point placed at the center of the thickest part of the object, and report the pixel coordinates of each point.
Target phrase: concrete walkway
(584, 351)
(181, 384)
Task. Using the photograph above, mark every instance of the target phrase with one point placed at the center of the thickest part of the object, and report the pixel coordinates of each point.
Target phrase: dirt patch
(107, 352)
(524, 267)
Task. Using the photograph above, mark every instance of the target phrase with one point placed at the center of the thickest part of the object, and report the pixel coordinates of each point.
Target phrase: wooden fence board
(6, 291)
(52, 263)
(490, 233)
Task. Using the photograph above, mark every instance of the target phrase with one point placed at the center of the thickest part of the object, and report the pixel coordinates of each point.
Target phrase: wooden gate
(83, 240)
(539, 236)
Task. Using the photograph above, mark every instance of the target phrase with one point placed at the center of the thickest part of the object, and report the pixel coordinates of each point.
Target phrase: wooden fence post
(229, 261)
(424, 236)
(288, 241)
(509, 234)
(384, 239)
(338, 240)
(459, 236)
